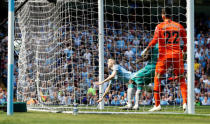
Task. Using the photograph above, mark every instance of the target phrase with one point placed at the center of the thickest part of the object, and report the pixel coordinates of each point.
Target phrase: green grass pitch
(59, 118)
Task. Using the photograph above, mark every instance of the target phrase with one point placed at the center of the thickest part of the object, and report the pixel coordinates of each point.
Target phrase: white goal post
(190, 56)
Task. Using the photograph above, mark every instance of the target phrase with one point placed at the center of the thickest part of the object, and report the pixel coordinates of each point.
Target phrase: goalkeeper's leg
(157, 90)
(179, 71)
(183, 87)
(160, 69)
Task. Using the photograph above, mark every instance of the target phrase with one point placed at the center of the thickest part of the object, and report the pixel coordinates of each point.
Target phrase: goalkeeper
(143, 76)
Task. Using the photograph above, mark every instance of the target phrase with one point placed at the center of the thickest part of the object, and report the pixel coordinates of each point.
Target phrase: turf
(59, 118)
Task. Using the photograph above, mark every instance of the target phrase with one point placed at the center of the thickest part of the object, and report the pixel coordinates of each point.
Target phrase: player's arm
(108, 78)
(183, 35)
(153, 42)
(105, 93)
(143, 58)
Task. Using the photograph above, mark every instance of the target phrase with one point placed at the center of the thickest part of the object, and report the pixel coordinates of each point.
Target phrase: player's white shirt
(122, 74)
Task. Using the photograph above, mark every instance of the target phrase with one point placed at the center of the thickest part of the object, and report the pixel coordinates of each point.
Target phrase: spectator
(69, 87)
(201, 98)
(120, 43)
(106, 101)
(197, 102)
(196, 65)
(209, 95)
(88, 55)
(136, 42)
(115, 101)
(122, 101)
(164, 101)
(68, 52)
(2, 96)
(170, 100)
(205, 101)
(178, 99)
(91, 92)
(205, 80)
(197, 89)
(77, 40)
(129, 53)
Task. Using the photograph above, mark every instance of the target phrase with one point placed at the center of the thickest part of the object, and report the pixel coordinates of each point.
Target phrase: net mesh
(58, 55)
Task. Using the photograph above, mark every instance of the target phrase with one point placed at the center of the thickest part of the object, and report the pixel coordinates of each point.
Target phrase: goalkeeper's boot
(127, 107)
(184, 107)
(155, 108)
(135, 107)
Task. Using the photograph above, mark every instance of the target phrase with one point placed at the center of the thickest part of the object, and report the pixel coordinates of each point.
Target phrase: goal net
(59, 57)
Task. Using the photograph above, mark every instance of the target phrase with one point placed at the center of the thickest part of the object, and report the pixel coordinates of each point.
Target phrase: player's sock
(138, 92)
(157, 91)
(183, 87)
(157, 98)
(130, 90)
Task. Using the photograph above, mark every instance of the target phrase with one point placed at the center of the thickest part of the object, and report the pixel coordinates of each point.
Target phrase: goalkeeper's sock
(130, 90)
(138, 93)
(157, 98)
(157, 90)
(183, 87)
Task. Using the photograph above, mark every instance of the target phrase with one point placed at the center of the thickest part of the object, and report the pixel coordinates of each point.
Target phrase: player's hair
(112, 59)
(167, 12)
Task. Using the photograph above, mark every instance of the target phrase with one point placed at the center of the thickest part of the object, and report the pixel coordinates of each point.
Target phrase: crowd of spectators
(3, 65)
(3, 56)
(76, 63)
(202, 61)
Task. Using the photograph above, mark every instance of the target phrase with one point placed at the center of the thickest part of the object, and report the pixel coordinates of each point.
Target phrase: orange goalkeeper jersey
(168, 34)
